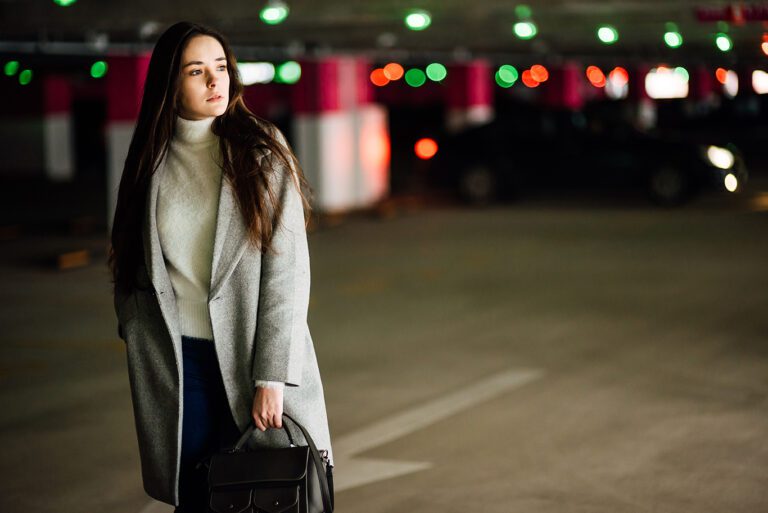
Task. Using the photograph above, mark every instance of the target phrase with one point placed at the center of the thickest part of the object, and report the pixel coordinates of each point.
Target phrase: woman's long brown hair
(240, 133)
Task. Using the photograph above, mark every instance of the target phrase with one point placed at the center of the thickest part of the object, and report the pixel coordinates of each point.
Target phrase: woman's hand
(267, 410)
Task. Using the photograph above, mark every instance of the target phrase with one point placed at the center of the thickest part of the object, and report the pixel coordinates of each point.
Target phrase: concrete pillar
(341, 136)
(563, 88)
(58, 140)
(125, 85)
(470, 94)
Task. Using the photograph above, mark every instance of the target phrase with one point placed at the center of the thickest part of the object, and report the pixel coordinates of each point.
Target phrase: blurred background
(538, 245)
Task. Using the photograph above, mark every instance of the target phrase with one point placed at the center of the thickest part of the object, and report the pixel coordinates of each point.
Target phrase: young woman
(210, 267)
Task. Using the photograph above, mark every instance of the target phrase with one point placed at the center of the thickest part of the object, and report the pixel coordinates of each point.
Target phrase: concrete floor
(647, 328)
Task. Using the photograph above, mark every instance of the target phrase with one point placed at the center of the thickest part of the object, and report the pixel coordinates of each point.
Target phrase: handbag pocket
(231, 501)
(284, 499)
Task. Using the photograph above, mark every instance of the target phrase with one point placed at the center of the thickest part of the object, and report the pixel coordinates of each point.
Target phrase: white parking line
(351, 471)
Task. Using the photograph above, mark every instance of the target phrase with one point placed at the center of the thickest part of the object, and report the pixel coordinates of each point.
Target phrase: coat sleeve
(279, 348)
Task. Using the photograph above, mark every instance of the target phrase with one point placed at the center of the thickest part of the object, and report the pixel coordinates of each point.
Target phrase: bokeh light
(414, 77)
(98, 69)
(379, 77)
(436, 71)
(393, 71)
(425, 148)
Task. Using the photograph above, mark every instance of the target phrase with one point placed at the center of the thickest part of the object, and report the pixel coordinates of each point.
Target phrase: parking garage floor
(534, 357)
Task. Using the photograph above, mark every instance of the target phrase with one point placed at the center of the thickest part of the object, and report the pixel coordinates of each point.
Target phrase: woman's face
(204, 80)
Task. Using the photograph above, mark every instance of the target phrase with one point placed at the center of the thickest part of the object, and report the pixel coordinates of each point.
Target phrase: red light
(528, 79)
(539, 73)
(393, 71)
(764, 45)
(425, 148)
(379, 78)
(619, 76)
(721, 75)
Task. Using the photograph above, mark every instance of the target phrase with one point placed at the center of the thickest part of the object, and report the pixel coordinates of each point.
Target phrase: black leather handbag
(295, 479)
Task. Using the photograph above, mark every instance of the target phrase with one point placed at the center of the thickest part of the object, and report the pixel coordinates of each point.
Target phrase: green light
(98, 69)
(673, 39)
(436, 72)
(607, 34)
(418, 20)
(723, 42)
(288, 72)
(25, 77)
(682, 72)
(501, 82)
(507, 74)
(524, 29)
(64, 3)
(274, 13)
(414, 77)
(522, 11)
(11, 68)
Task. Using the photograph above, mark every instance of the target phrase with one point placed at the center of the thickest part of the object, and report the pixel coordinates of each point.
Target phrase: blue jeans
(207, 423)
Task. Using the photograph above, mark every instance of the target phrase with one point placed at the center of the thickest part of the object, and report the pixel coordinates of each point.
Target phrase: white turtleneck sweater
(187, 207)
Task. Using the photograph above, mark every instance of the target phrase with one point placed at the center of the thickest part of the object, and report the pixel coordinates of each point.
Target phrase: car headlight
(730, 182)
(720, 157)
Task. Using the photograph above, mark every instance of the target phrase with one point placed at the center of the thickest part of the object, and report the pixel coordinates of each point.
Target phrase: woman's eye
(222, 67)
(195, 72)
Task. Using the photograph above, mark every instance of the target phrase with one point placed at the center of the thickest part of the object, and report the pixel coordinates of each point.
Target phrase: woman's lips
(214, 99)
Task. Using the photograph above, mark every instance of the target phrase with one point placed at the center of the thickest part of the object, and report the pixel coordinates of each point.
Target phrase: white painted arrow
(351, 470)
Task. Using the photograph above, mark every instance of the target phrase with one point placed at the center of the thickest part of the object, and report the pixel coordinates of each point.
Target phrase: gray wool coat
(258, 306)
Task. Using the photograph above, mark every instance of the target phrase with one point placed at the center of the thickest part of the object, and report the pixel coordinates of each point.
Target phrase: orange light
(378, 77)
(528, 79)
(393, 71)
(596, 76)
(764, 45)
(619, 76)
(721, 75)
(425, 148)
(539, 73)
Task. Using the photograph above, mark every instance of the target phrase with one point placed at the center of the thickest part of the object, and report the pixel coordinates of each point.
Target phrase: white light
(666, 83)
(256, 72)
(720, 157)
(760, 81)
(731, 86)
(730, 182)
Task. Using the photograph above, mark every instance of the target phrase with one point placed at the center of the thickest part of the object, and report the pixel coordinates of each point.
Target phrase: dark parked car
(527, 149)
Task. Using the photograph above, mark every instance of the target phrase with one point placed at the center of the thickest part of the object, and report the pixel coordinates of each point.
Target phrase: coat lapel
(230, 236)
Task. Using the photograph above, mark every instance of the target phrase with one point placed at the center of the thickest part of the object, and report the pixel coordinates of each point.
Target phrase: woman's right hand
(267, 410)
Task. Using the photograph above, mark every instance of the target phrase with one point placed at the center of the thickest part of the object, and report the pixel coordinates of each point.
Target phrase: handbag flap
(262, 465)
(230, 501)
(276, 500)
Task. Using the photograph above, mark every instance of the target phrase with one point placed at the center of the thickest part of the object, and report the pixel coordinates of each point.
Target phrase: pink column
(563, 89)
(125, 86)
(341, 135)
(469, 94)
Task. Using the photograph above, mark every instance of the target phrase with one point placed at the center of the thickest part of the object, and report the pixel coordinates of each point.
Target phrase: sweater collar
(194, 131)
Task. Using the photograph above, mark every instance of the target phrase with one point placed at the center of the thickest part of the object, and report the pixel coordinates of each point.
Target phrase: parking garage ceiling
(565, 28)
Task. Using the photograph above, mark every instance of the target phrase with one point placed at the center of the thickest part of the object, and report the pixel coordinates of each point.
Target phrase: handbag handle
(321, 475)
